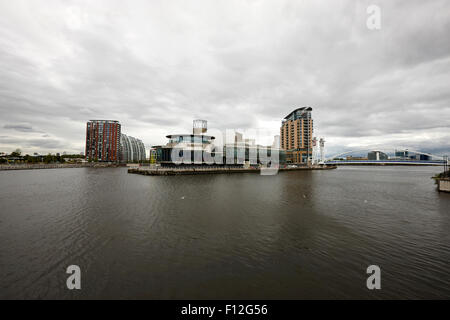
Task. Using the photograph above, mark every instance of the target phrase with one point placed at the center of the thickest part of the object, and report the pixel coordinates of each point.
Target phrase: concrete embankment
(56, 166)
(385, 163)
(192, 171)
(443, 184)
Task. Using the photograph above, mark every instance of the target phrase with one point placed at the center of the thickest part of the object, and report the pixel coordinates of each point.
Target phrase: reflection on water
(308, 234)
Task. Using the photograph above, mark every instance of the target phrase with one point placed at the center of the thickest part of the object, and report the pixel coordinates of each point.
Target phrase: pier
(174, 171)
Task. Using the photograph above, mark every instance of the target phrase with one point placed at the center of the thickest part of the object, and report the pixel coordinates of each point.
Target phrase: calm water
(295, 235)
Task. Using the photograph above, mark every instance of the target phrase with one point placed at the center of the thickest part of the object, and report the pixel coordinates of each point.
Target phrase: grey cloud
(20, 127)
(48, 144)
(155, 66)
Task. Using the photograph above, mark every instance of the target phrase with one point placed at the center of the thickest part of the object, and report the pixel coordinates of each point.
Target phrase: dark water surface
(308, 234)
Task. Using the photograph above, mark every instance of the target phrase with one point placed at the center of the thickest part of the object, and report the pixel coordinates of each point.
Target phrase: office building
(402, 154)
(377, 155)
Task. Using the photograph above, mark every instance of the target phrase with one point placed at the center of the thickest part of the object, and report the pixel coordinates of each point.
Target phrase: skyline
(240, 65)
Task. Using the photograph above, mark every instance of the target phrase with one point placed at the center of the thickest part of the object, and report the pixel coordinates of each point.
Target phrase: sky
(157, 65)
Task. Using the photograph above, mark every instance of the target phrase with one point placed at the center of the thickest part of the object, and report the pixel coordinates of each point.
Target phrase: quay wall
(55, 166)
(444, 185)
(193, 171)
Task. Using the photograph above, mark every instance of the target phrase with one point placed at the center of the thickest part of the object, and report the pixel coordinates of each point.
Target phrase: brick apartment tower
(296, 135)
(102, 140)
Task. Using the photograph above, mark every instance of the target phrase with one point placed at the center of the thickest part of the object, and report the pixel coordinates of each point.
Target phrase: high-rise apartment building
(102, 140)
(296, 135)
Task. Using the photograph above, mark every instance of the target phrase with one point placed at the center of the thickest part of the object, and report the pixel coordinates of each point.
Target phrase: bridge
(435, 159)
(388, 162)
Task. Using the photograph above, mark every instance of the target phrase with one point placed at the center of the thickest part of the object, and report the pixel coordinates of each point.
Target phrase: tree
(48, 158)
(16, 153)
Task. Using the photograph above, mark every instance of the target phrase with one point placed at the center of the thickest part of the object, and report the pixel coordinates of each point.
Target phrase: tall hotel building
(296, 135)
(103, 140)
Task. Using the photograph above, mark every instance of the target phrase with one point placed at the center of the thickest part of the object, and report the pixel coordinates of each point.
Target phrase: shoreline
(57, 166)
(393, 163)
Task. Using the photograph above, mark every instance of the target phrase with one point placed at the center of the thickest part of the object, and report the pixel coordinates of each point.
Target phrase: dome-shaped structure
(131, 149)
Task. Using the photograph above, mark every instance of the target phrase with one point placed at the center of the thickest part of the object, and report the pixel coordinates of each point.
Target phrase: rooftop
(296, 110)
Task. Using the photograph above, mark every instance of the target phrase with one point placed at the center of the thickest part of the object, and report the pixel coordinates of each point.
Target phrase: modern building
(131, 149)
(102, 140)
(377, 155)
(402, 154)
(190, 148)
(198, 148)
(422, 157)
(296, 135)
(246, 152)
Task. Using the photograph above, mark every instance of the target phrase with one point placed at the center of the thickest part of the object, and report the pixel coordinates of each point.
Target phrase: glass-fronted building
(131, 149)
(199, 149)
(377, 155)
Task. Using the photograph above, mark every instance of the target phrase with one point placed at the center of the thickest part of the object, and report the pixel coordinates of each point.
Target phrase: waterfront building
(198, 148)
(402, 154)
(190, 148)
(377, 155)
(296, 135)
(102, 140)
(423, 157)
(131, 149)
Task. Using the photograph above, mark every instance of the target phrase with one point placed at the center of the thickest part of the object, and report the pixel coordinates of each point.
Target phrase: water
(304, 234)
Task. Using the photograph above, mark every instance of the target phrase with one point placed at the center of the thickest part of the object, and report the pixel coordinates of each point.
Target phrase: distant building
(423, 157)
(402, 154)
(102, 140)
(377, 155)
(411, 155)
(131, 149)
(356, 158)
(152, 156)
(296, 135)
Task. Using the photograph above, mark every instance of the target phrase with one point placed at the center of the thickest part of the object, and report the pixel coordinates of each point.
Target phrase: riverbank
(217, 170)
(386, 163)
(56, 166)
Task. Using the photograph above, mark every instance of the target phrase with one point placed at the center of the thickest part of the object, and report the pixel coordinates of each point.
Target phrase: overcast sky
(157, 65)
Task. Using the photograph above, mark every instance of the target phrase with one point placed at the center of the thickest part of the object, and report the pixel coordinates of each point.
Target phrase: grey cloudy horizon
(157, 65)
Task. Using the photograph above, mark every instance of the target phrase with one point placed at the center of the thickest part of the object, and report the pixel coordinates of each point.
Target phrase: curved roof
(298, 109)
